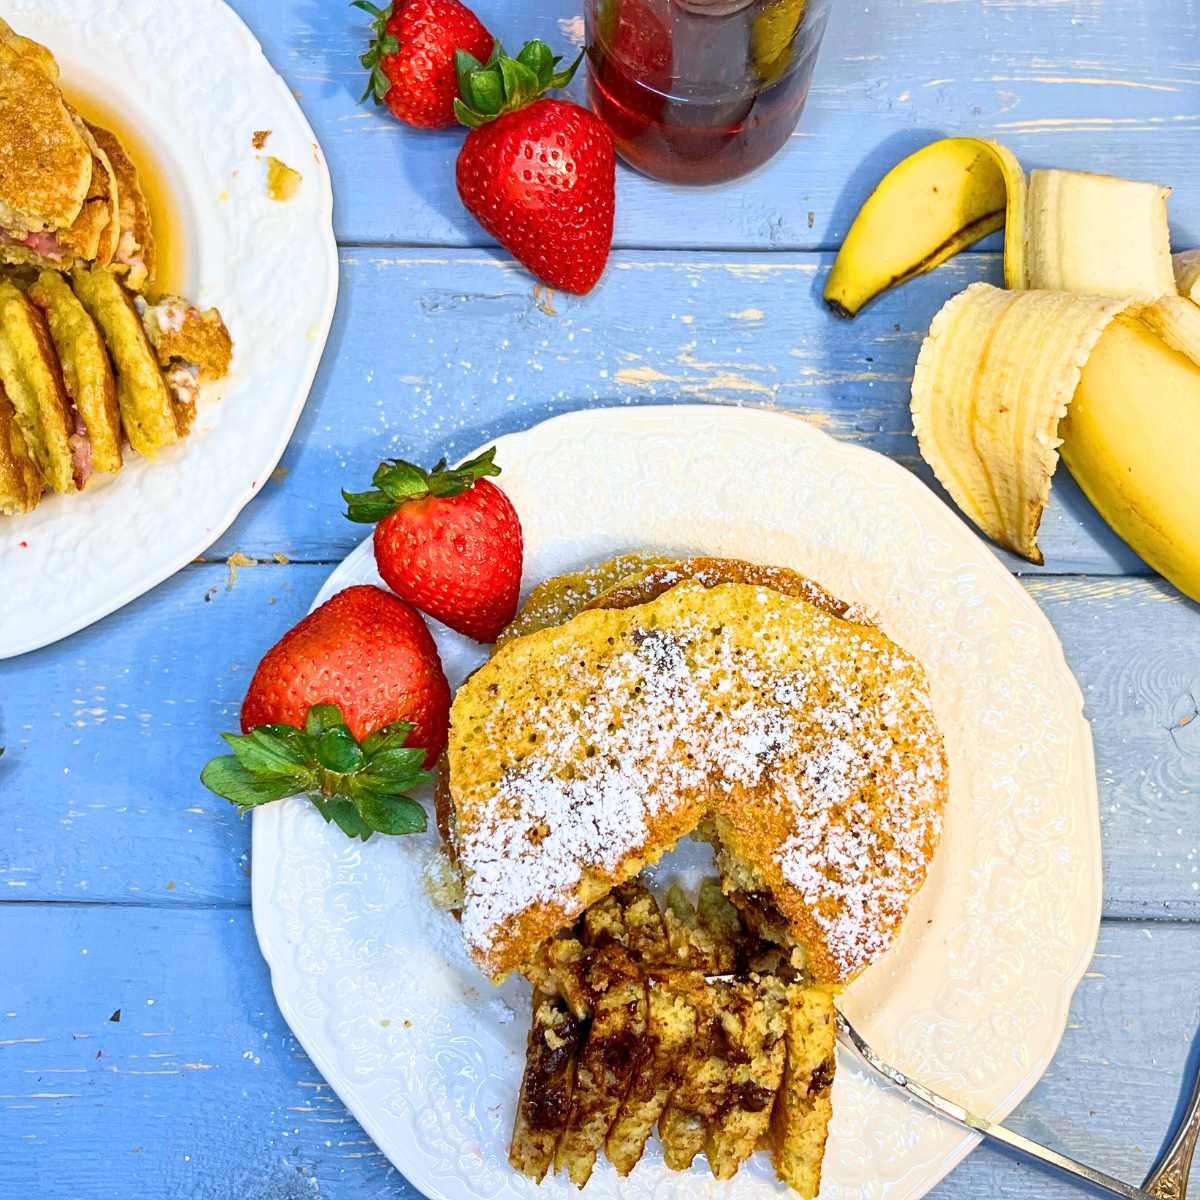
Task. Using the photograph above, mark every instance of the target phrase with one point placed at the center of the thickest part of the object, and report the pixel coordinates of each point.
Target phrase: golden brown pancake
(583, 752)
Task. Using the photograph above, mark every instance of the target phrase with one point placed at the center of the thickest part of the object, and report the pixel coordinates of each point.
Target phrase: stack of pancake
(69, 192)
(87, 363)
(739, 704)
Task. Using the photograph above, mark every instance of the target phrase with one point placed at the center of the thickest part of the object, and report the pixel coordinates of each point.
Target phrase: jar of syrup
(700, 91)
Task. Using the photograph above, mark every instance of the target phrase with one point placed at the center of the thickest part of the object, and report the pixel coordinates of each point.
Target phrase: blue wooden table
(141, 1053)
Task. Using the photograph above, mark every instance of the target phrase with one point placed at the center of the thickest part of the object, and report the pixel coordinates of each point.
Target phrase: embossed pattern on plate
(193, 82)
(973, 997)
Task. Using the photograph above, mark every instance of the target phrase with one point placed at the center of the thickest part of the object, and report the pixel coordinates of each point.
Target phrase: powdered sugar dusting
(703, 707)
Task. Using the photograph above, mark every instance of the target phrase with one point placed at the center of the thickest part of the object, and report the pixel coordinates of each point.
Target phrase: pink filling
(81, 452)
(45, 244)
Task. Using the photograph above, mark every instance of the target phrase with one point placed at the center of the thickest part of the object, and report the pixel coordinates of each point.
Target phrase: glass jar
(700, 91)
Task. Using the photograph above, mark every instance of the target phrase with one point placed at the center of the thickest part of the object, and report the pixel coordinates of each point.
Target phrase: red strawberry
(537, 174)
(366, 652)
(362, 668)
(411, 56)
(447, 541)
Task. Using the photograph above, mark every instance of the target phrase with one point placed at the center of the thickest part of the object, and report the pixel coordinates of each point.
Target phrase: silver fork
(851, 1038)
(1169, 1179)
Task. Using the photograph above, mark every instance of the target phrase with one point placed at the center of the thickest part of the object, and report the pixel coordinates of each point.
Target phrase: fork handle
(1169, 1179)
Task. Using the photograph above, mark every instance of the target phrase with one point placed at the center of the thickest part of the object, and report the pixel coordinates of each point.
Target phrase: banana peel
(992, 382)
(1187, 274)
(926, 209)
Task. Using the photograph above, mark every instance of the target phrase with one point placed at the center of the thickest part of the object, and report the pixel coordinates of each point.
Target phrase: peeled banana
(1098, 234)
(1131, 438)
(925, 210)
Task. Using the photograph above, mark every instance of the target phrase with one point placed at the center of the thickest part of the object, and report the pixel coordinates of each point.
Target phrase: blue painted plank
(434, 353)
(201, 1091)
(1109, 87)
(107, 733)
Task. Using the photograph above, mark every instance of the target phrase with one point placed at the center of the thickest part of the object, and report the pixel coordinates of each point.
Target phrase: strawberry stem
(361, 787)
(397, 482)
(503, 85)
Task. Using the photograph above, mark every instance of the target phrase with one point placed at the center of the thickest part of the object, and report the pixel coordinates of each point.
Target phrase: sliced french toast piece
(753, 1021)
(670, 1030)
(607, 1059)
(544, 1105)
(683, 1127)
(803, 1105)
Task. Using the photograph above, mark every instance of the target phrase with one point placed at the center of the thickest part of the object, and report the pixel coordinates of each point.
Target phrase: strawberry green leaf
(400, 481)
(402, 767)
(539, 58)
(229, 779)
(466, 65)
(337, 751)
(504, 84)
(322, 717)
(395, 816)
(341, 812)
(324, 762)
(564, 77)
(368, 508)
(390, 737)
(265, 754)
(381, 44)
(397, 482)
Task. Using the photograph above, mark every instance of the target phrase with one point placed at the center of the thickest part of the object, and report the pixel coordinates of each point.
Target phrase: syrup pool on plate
(700, 91)
(170, 267)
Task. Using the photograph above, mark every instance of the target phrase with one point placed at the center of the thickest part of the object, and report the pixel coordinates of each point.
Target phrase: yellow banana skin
(926, 209)
(1131, 438)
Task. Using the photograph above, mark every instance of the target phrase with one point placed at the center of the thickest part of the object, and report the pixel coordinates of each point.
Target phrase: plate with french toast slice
(168, 274)
(773, 734)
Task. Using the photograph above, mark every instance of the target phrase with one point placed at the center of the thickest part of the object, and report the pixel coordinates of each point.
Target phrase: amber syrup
(682, 92)
(170, 265)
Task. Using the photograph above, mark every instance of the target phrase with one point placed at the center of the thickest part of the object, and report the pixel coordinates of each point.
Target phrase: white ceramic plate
(192, 81)
(974, 995)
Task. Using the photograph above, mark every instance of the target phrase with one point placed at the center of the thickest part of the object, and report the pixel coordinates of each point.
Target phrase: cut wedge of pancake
(147, 411)
(97, 242)
(20, 480)
(87, 372)
(32, 378)
(135, 252)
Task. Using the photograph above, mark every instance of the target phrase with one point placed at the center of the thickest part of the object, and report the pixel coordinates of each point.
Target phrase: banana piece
(1131, 438)
(993, 380)
(926, 209)
(1187, 273)
(1097, 234)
